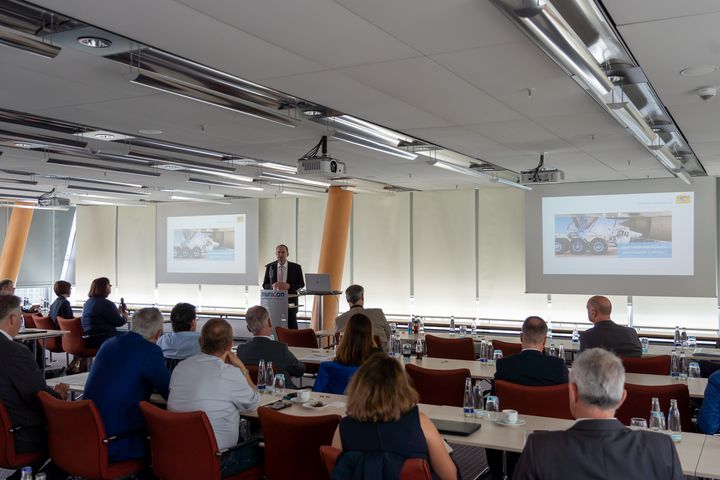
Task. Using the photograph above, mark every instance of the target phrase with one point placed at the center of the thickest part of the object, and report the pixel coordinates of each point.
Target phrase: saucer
(505, 423)
(314, 405)
(300, 401)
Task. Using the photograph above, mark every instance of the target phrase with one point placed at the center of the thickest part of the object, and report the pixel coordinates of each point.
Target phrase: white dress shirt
(7, 335)
(204, 382)
(282, 272)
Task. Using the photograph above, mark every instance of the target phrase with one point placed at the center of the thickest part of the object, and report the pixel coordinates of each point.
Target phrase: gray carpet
(471, 460)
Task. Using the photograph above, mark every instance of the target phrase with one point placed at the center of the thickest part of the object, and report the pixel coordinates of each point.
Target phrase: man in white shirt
(216, 382)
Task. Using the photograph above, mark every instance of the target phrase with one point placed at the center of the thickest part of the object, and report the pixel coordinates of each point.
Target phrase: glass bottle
(677, 336)
(269, 377)
(575, 335)
(452, 325)
(657, 418)
(261, 375)
(674, 365)
(468, 402)
(683, 366)
(673, 421)
(26, 473)
(419, 349)
(478, 409)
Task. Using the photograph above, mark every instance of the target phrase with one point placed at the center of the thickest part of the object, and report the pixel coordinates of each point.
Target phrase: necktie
(282, 273)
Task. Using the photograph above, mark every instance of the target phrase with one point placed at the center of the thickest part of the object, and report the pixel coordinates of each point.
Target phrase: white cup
(305, 395)
(510, 416)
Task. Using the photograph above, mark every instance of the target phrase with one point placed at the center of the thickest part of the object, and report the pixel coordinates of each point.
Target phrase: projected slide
(206, 244)
(631, 234)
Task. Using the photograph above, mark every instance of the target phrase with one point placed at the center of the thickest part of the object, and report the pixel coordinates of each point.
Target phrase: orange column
(333, 249)
(15, 240)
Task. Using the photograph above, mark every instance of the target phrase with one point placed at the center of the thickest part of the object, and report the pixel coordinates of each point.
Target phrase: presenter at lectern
(284, 275)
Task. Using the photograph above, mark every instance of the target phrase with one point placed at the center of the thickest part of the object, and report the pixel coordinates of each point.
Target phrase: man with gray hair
(128, 368)
(355, 296)
(598, 445)
(264, 347)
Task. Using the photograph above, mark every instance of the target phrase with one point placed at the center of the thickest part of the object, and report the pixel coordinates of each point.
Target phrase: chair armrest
(129, 433)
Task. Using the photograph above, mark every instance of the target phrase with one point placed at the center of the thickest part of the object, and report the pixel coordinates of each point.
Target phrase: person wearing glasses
(100, 316)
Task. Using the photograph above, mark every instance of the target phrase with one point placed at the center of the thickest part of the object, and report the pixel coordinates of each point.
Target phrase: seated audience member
(709, 418)
(183, 341)
(20, 381)
(355, 296)
(128, 368)
(264, 347)
(7, 287)
(598, 445)
(216, 382)
(607, 334)
(355, 347)
(532, 367)
(61, 306)
(100, 316)
(384, 427)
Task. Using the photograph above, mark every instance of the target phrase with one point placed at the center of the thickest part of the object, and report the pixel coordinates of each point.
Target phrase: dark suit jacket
(599, 449)
(609, 335)
(294, 277)
(20, 382)
(532, 368)
(262, 348)
(380, 325)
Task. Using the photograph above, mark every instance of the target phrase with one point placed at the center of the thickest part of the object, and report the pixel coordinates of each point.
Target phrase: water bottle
(468, 402)
(575, 335)
(419, 349)
(673, 421)
(683, 366)
(684, 338)
(26, 473)
(261, 375)
(452, 325)
(421, 324)
(553, 351)
(674, 365)
(269, 378)
(410, 324)
(561, 351)
(483, 350)
(478, 409)
(490, 353)
(416, 326)
(40, 476)
(677, 336)
(657, 418)
(283, 321)
(473, 327)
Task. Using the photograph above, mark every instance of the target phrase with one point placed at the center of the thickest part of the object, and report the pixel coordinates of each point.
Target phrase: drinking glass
(280, 384)
(492, 407)
(497, 355)
(463, 330)
(694, 370)
(638, 422)
(645, 342)
(692, 343)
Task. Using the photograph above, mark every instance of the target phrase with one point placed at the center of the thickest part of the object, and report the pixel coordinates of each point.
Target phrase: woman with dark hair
(61, 306)
(100, 317)
(355, 347)
(384, 427)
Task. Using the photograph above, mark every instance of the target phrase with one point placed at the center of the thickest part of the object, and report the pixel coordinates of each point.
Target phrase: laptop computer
(452, 427)
(318, 284)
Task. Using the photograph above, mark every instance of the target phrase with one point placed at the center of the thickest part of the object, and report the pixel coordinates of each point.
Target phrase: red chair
(455, 348)
(183, 446)
(639, 402)
(300, 338)
(507, 348)
(29, 320)
(54, 344)
(438, 387)
(73, 342)
(9, 458)
(413, 468)
(552, 401)
(77, 440)
(292, 444)
(659, 365)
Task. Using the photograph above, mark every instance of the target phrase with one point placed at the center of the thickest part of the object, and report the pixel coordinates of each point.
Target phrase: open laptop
(452, 427)
(318, 284)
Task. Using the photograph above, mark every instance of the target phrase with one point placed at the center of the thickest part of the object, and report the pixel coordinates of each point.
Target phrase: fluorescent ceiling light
(458, 169)
(306, 181)
(684, 177)
(174, 147)
(231, 176)
(193, 192)
(33, 207)
(108, 190)
(95, 166)
(384, 134)
(510, 183)
(92, 180)
(373, 145)
(13, 137)
(200, 200)
(302, 193)
(28, 44)
(16, 180)
(219, 167)
(112, 204)
(218, 183)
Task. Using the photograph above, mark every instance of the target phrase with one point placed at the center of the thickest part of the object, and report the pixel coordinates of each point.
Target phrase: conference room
(470, 164)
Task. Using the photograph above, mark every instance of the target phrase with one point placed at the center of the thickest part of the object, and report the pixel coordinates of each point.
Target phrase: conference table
(39, 335)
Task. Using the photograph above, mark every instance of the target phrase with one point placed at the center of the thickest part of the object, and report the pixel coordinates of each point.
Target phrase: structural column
(15, 240)
(333, 250)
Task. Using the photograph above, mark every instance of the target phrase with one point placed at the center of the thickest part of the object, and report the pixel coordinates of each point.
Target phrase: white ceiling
(456, 73)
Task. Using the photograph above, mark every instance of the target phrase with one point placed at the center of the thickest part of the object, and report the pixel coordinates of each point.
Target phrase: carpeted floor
(471, 460)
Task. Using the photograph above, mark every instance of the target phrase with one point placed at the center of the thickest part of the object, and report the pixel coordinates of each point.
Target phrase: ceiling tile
(638, 11)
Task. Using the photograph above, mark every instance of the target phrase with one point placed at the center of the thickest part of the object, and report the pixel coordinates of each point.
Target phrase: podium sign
(276, 302)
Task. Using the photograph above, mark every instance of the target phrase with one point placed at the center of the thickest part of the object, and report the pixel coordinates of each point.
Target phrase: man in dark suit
(598, 445)
(355, 296)
(21, 380)
(264, 347)
(607, 334)
(532, 367)
(284, 275)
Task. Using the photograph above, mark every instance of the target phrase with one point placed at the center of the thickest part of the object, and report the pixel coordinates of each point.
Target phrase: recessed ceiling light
(312, 113)
(104, 136)
(698, 71)
(94, 42)
(150, 131)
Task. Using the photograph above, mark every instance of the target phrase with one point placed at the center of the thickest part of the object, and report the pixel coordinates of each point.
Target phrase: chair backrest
(297, 338)
(292, 443)
(639, 402)
(413, 468)
(507, 348)
(9, 458)
(659, 365)
(53, 344)
(75, 436)
(439, 387)
(183, 445)
(455, 348)
(73, 342)
(29, 320)
(550, 401)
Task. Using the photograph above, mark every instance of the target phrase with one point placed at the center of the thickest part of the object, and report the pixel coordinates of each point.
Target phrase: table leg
(42, 340)
(504, 465)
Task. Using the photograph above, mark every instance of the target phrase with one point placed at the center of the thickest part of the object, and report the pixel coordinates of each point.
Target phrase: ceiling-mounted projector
(540, 174)
(320, 165)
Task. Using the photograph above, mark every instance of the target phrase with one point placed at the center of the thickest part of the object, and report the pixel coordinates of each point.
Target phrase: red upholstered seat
(507, 348)
(300, 338)
(29, 320)
(183, 446)
(292, 444)
(639, 402)
(413, 468)
(659, 365)
(73, 342)
(438, 387)
(53, 344)
(9, 458)
(77, 440)
(455, 348)
(551, 401)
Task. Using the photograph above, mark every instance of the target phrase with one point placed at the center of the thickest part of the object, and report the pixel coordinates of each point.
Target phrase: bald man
(607, 334)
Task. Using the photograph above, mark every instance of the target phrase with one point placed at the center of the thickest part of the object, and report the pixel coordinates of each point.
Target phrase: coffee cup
(510, 416)
(304, 395)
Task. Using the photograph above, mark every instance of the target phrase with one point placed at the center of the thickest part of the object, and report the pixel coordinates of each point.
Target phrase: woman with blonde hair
(384, 427)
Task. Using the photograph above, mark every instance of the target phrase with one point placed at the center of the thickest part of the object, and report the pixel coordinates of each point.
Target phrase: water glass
(694, 370)
(638, 423)
(645, 342)
(492, 408)
(497, 355)
(280, 384)
(463, 330)
(692, 343)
